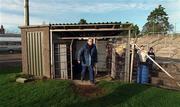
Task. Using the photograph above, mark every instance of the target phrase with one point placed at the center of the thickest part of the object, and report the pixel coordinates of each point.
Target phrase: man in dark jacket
(87, 56)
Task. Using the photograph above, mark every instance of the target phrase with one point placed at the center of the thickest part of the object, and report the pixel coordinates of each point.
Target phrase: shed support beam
(52, 55)
(127, 59)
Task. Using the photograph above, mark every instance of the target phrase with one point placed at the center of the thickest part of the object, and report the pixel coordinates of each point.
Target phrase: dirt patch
(89, 91)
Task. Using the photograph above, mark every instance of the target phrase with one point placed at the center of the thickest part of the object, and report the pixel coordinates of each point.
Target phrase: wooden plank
(113, 68)
(132, 61)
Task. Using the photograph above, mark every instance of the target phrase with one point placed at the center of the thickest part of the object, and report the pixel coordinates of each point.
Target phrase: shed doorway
(65, 59)
(77, 44)
(111, 59)
(101, 68)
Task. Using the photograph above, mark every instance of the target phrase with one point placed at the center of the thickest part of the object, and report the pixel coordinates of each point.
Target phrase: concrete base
(21, 80)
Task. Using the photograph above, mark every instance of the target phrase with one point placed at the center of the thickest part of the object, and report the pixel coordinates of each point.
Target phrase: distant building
(10, 42)
(10, 35)
(2, 30)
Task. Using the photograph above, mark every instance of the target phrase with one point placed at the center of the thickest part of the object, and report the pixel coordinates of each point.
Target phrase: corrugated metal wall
(34, 53)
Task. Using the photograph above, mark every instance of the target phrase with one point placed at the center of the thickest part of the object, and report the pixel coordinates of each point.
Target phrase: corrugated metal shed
(40, 55)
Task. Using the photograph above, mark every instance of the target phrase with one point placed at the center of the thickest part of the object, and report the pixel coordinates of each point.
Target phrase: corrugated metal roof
(97, 23)
(123, 25)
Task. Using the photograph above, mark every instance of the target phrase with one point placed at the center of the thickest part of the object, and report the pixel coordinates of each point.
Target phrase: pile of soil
(89, 90)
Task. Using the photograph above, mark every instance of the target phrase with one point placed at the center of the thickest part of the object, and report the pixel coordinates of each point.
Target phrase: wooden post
(113, 63)
(26, 12)
(95, 67)
(52, 56)
(132, 60)
(127, 58)
(71, 59)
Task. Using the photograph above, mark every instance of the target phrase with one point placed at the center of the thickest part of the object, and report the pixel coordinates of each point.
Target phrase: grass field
(59, 93)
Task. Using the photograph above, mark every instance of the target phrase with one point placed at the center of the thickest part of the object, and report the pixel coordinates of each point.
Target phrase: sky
(71, 11)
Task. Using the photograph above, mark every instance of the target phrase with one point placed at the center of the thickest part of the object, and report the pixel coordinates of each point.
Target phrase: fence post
(132, 62)
(127, 58)
(113, 67)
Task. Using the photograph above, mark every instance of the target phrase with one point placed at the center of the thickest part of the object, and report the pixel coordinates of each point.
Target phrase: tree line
(157, 22)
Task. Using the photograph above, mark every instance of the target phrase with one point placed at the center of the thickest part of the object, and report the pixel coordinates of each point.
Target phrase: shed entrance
(100, 68)
(111, 58)
(65, 59)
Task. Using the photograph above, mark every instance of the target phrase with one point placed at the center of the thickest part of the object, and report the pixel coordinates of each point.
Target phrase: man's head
(142, 47)
(90, 41)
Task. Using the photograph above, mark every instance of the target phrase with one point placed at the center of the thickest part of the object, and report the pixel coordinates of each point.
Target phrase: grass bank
(61, 93)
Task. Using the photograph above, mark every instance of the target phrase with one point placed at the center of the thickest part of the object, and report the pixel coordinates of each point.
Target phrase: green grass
(59, 93)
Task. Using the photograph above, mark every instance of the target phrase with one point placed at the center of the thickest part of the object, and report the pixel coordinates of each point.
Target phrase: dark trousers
(91, 72)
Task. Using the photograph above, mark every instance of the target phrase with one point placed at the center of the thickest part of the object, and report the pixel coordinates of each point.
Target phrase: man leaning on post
(87, 56)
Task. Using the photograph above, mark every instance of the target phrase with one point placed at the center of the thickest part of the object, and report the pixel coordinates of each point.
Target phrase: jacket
(87, 55)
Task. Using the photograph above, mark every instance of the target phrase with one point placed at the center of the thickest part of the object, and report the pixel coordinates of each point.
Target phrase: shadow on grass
(117, 97)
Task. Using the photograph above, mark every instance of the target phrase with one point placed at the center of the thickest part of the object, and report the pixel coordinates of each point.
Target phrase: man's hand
(79, 62)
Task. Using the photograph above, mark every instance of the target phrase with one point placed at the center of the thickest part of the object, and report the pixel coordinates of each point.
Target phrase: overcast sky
(71, 11)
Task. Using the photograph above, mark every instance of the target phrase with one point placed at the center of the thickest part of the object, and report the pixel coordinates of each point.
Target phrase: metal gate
(60, 58)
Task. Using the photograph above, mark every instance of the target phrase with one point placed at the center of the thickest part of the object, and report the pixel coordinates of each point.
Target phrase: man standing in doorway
(87, 56)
